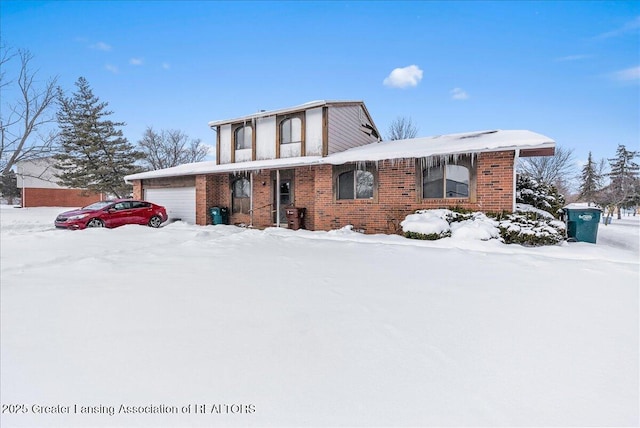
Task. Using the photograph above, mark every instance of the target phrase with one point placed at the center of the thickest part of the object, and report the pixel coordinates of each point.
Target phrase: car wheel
(95, 222)
(155, 221)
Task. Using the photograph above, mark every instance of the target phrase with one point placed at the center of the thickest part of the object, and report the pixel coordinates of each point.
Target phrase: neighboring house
(39, 186)
(327, 157)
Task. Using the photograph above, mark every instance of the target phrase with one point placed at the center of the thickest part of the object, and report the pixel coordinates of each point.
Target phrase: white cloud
(628, 27)
(627, 75)
(572, 58)
(166, 65)
(101, 46)
(403, 77)
(112, 68)
(458, 94)
(136, 61)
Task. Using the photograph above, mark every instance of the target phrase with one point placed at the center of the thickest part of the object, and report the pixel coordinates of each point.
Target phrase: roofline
(294, 109)
(271, 164)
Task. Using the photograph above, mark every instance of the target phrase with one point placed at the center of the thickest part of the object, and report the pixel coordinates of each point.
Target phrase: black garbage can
(582, 223)
(224, 213)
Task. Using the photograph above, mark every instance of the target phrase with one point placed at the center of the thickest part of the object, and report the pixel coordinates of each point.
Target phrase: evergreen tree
(623, 189)
(94, 155)
(591, 181)
(540, 195)
(9, 187)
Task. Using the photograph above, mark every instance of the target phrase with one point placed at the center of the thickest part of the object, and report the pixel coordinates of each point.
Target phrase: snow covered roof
(305, 106)
(472, 142)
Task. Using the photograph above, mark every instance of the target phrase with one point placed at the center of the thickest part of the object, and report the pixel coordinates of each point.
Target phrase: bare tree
(23, 121)
(170, 148)
(556, 169)
(402, 128)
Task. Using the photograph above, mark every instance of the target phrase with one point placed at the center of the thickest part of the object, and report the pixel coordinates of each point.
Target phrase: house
(39, 187)
(327, 157)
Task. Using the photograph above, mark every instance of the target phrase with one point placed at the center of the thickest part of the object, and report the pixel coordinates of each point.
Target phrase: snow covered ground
(285, 328)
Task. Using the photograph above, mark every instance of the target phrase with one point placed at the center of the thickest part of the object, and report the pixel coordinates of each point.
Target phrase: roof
(305, 106)
(441, 145)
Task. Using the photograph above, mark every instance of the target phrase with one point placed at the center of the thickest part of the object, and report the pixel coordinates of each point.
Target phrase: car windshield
(97, 205)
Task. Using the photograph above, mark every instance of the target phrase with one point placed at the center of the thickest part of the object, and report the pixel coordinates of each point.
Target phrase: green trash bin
(582, 223)
(216, 215)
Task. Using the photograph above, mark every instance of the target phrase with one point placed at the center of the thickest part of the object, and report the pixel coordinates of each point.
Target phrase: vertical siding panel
(225, 144)
(266, 138)
(313, 132)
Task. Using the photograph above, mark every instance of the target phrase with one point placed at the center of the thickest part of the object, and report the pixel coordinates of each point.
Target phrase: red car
(113, 214)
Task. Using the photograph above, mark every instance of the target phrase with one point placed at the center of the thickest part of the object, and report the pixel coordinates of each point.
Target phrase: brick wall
(137, 190)
(398, 194)
(57, 198)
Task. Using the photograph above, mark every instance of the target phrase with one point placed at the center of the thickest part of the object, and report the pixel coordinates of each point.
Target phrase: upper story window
(243, 137)
(354, 183)
(291, 130)
(447, 181)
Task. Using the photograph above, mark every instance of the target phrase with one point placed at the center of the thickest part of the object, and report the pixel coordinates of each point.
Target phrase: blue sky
(569, 70)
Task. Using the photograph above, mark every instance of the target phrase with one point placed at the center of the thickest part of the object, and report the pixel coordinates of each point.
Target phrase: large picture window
(447, 181)
(243, 137)
(291, 131)
(354, 183)
(241, 196)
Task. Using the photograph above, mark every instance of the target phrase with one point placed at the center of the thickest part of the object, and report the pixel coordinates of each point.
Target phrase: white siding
(225, 144)
(266, 138)
(243, 155)
(313, 132)
(180, 202)
(38, 174)
(291, 150)
(345, 128)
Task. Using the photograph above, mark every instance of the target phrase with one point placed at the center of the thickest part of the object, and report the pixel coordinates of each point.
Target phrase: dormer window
(291, 130)
(243, 137)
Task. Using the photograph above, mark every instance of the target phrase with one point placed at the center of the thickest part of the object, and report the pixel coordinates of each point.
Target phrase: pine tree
(539, 195)
(591, 181)
(624, 178)
(94, 154)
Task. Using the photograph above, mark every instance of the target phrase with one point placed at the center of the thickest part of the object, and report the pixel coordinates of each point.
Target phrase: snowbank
(301, 328)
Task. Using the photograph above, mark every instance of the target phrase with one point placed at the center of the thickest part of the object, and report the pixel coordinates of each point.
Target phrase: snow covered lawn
(284, 328)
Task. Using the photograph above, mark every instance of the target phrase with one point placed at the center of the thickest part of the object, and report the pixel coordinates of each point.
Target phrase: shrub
(528, 229)
(427, 236)
(539, 195)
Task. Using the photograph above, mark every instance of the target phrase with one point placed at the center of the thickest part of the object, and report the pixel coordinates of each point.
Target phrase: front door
(286, 199)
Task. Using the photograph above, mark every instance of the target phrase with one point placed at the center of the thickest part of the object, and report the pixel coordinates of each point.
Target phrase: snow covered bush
(443, 223)
(539, 195)
(427, 224)
(531, 229)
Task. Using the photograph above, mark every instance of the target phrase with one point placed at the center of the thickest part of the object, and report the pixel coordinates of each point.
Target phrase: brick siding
(33, 197)
(398, 194)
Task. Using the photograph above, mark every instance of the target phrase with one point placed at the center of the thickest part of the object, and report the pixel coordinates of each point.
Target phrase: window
(140, 204)
(447, 181)
(243, 137)
(355, 183)
(241, 196)
(120, 206)
(291, 131)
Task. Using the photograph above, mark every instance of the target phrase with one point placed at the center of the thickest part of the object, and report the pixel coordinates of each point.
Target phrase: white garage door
(180, 202)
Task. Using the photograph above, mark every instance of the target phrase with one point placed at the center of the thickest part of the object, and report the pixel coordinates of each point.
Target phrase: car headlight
(77, 217)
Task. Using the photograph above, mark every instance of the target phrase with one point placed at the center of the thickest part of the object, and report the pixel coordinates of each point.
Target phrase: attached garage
(180, 202)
